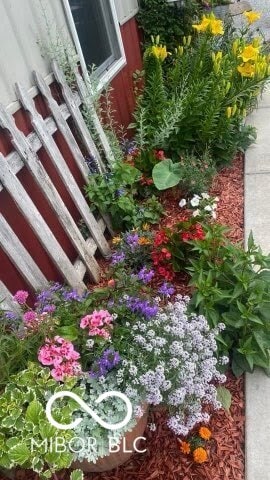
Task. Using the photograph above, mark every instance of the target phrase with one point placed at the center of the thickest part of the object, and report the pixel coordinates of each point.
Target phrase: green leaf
(166, 174)
(76, 475)
(34, 411)
(224, 397)
(19, 454)
(250, 241)
(69, 332)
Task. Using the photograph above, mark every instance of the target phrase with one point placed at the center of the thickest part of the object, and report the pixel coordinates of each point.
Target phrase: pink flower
(29, 317)
(21, 296)
(85, 321)
(61, 355)
(67, 369)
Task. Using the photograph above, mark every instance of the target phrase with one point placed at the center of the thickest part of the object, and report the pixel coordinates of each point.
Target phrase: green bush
(157, 17)
(233, 286)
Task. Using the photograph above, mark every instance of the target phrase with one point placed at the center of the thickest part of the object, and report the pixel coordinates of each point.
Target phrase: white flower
(214, 215)
(208, 208)
(196, 213)
(216, 199)
(182, 203)
(214, 206)
(194, 202)
(205, 196)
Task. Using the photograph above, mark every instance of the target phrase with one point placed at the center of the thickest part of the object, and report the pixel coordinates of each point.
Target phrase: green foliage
(196, 100)
(192, 174)
(25, 431)
(157, 17)
(224, 396)
(233, 286)
(115, 193)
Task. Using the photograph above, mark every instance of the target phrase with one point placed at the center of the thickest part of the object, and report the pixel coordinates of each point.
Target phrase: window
(98, 34)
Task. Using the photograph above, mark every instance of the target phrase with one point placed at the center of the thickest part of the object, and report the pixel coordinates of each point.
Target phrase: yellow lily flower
(211, 24)
(249, 53)
(252, 16)
(246, 70)
(216, 27)
(160, 52)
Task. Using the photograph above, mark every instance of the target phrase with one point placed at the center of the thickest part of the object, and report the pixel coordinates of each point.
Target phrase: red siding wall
(123, 99)
(122, 84)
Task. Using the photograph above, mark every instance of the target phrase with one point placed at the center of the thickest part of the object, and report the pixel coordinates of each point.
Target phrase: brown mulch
(163, 459)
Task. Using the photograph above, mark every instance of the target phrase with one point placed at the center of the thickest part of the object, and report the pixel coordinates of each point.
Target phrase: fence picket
(77, 116)
(20, 257)
(6, 300)
(62, 124)
(38, 225)
(39, 173)
(86, 99)
(64, 172)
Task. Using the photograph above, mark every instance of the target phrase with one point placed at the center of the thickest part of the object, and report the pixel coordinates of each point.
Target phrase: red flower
(160, 238)
(166, 272)
(159, 154)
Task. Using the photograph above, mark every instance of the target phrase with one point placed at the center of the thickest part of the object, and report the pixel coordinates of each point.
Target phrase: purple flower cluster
(132, 240)
(145, 275)
(166, 289)
(108, 360)
(141, 307)
(55, 294)
(117, 257)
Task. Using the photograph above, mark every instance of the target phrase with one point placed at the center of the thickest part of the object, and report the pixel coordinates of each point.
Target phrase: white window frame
(117, 65)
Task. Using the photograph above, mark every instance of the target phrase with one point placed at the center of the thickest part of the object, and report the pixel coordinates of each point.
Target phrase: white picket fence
(25, 154)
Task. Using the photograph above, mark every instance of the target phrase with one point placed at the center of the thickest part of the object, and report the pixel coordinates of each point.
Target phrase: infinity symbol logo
(86, 408)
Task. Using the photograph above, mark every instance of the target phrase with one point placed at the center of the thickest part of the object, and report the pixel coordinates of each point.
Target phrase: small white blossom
(182, 203)
(205, 196)
(194, 202)
(196, 213)
(208, 208)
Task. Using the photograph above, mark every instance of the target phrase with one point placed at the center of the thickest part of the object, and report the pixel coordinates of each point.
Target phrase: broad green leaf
(34, 411)
(224, 397)
(166, 174)
(76, 475)
(69, 332)
(19, 454)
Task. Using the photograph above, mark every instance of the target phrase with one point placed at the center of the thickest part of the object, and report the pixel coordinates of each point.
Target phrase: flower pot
(115, 459)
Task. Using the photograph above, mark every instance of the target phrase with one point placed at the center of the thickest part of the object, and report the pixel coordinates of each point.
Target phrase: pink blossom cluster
(98, 323)
(60, 354)
(21, 297)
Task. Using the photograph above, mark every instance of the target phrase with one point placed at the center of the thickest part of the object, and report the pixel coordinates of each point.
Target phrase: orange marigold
(200, 455)
(184, 447)
(205, 433)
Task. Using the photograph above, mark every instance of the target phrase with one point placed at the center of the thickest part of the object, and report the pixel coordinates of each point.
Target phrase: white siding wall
(126, 9)
(22, 27)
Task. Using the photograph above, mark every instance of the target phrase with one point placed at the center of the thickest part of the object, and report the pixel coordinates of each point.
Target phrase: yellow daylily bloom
(252, 16)
(160, 52)
(249, 53)
(217, 27)
(246, 70)
(211, 24)
(203, 26)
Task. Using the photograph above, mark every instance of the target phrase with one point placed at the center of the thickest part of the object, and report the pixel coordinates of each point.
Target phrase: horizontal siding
(126, 9)
(23, 31)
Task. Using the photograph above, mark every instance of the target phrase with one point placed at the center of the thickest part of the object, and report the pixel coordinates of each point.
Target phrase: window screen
(96, 31)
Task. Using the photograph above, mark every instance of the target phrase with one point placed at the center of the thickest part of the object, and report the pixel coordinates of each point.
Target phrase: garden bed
(226, 449)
